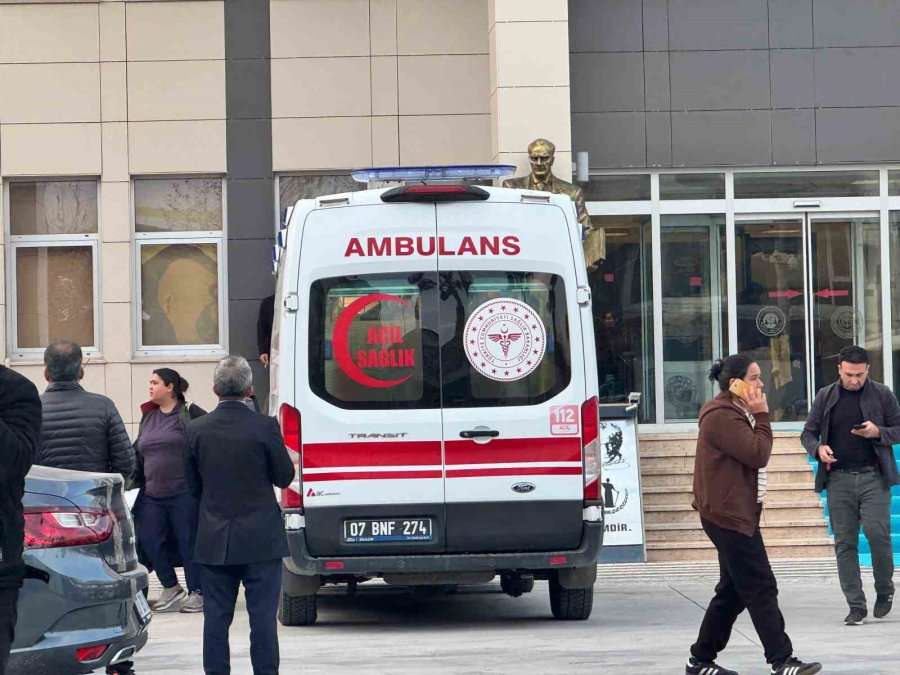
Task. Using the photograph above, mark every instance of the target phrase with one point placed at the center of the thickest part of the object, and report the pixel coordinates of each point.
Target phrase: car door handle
(479, 433)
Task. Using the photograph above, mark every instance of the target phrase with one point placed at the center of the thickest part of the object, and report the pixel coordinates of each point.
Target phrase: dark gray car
(83, 605)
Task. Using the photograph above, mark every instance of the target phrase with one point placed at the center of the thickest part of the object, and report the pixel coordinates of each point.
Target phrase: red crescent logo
(341, 341)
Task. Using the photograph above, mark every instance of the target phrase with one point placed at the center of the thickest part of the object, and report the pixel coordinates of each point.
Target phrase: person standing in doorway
(235, 456)
(20, 431)
(851, 430)
(733, 448)
(264, 321)
(165, 510)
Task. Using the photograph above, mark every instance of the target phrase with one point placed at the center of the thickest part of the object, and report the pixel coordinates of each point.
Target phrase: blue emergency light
(421, 173)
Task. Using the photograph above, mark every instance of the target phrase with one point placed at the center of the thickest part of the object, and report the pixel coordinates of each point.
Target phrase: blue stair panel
(865, 554)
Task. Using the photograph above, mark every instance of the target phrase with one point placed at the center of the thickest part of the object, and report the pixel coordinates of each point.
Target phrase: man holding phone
(851, 430)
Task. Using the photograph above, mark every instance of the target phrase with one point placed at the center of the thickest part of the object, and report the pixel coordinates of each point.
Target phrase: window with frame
(179, 252)
(53, 240)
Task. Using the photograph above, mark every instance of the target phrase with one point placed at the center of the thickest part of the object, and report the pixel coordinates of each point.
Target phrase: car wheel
(297, 610)
(570, 604)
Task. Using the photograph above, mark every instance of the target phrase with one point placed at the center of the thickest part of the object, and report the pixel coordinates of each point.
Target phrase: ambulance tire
(570, 604)
(298, 610)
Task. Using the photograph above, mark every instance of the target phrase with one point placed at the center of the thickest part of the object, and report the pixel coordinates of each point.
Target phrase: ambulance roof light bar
(434, 173)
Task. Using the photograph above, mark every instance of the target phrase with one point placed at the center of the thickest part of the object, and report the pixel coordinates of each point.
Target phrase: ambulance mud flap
(578, 577)
(299, 584)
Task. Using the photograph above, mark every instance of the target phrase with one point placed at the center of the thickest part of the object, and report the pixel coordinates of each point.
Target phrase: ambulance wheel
(570, 604)
(297, 610)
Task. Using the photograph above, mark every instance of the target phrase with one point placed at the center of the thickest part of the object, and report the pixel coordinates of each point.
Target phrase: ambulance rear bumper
(301, 562)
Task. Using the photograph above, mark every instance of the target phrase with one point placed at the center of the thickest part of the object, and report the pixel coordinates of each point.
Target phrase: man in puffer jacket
(81, 430)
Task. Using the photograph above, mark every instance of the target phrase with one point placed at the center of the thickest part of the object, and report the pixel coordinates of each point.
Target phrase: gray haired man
(80, 430)
(235, 456)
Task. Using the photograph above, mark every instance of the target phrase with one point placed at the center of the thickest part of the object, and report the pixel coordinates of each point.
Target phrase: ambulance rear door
(512, 377)
(368, 391)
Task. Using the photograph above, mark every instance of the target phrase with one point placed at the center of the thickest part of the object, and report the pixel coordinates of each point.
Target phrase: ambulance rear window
(425, 339)
(504, 338)
(369, 343)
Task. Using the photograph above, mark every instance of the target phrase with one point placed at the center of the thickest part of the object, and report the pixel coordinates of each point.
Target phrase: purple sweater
(163, 444)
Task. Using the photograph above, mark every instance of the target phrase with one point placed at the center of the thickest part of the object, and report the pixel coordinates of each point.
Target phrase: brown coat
(730, 453)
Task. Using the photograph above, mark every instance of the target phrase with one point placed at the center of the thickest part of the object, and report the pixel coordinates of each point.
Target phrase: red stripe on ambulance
(513, 450)
(515, 471)
(390, 453)
(369, 475)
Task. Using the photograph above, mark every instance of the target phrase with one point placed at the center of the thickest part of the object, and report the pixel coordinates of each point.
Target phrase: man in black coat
(20, 430)
(81, 431)
(234, 458)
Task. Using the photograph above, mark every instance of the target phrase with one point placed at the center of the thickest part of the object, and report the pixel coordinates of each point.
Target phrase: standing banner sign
(620, 486)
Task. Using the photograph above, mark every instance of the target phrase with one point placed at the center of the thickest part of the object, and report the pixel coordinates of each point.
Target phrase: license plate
(387, 530)
(142, 608)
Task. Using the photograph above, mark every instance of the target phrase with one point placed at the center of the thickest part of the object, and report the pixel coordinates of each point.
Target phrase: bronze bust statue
(541, 155)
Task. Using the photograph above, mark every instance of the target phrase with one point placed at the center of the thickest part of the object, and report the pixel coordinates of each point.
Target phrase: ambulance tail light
(590, 441)
(289, 417)
(435, 193)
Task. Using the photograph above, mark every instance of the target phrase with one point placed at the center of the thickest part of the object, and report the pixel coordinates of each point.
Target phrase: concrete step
(773, 513)
(688, 532)
(680, 493)
(792, 460)
(655, 477)
(811, 547)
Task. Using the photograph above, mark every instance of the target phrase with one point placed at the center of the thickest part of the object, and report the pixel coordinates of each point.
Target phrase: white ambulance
(434, 375)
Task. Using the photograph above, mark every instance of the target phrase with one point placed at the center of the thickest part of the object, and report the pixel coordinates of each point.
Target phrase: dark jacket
(83, 431)
(730, 453)
(264, 321)
(235, 456)
(20, 432)
(879, 406)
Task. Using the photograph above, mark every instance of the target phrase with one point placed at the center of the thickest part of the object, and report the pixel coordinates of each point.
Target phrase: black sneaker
(794, 666)
(883, 605)
(856, 617)
(696, 667)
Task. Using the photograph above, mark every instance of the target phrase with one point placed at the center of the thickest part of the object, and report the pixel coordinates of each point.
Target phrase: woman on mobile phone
(733, 448)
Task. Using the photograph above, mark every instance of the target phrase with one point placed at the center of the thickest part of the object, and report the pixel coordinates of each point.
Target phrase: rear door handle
(479, 433)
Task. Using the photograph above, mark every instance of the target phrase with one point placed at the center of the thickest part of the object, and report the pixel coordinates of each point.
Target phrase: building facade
(744, 160)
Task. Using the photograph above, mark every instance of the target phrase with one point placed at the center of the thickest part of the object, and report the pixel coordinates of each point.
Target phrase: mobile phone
(858, 426)
(739, 388)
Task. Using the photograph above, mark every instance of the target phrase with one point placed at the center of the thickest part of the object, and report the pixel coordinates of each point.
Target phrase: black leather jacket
(20, 429)
(83, 431)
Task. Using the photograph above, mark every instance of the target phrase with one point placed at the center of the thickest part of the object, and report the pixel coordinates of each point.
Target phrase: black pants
(262, 591)
(746, 582)
(8, 598)
(156, 519)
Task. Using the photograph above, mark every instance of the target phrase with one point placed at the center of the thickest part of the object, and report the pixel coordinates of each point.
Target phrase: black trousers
(156, 518)
(746, 582)
(262, 591)
(8, 598)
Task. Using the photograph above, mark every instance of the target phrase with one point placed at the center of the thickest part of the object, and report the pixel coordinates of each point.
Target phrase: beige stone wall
(529, 56)
(110, 90)
(379, 82)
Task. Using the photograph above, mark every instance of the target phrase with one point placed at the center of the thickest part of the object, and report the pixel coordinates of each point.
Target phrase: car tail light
(90, 653)
(289, 417)
(590, 441)
(53, 527)
(435, 193)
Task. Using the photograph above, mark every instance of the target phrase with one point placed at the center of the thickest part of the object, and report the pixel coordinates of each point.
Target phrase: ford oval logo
(523, 488)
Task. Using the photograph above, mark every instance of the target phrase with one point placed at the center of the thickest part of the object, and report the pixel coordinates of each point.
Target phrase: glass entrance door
(807, 285)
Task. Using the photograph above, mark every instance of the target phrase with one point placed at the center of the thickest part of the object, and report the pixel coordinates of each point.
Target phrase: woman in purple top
(165, 511)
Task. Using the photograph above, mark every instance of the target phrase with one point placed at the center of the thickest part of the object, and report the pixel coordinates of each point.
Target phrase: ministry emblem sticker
(505, 340)
(770, 320)
(845, 322)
